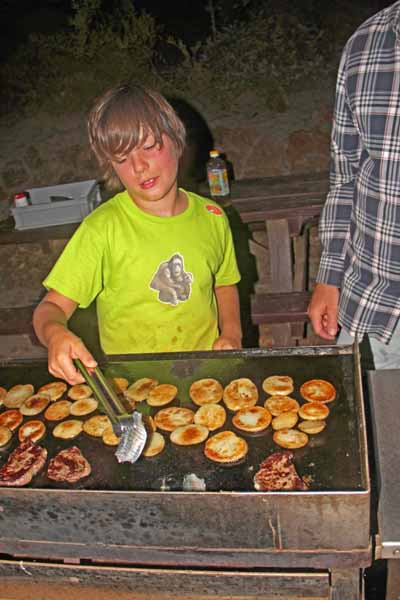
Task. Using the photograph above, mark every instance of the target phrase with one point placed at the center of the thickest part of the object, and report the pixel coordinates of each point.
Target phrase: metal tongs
(128, 426)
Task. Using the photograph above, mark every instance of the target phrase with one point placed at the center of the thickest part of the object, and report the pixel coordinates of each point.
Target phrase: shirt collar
(393, 16)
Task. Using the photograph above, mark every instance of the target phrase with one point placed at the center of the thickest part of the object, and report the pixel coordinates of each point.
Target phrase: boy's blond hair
(122, 118)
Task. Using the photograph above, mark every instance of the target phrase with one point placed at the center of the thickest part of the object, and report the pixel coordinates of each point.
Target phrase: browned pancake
(17, 395)
(140, 389)
(312, 427)
(279, 404)
(240, 393)
(58, 410)
(212, 416)
(162, 394)
(172, 417)
(67, 430)
(79, 391)
(5, 435)
(252, 419)
(286, 420)
(155, 444)
(11, 419)
(83, 407)
(3, 394)
(34, 430)
(206, 391)
(97, 425)
(109, 438)
(290, 438)
(314, 411)
(225, 447)
(55, 389)
(189, 435)
(34, 404)
(318, 390)
(278, 385)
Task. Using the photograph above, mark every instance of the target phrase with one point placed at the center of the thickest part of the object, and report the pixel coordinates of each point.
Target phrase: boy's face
(149, 172)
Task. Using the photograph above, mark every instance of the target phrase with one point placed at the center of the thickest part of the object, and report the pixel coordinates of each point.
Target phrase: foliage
(248, 48)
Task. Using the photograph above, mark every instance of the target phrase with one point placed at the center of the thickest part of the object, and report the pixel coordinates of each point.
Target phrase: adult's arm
(50, 322)
(228, 318)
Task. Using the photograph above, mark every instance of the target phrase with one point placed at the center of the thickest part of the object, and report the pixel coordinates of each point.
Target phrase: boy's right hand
(63, 347)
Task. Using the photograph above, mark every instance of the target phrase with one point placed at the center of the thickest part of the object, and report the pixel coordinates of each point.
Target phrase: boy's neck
(172, 204)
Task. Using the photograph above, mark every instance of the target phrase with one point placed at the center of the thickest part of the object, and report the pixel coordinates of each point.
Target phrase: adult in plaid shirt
(359, 274)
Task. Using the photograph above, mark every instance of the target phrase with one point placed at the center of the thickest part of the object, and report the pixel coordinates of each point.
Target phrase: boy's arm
(228, 318)
(50, 323)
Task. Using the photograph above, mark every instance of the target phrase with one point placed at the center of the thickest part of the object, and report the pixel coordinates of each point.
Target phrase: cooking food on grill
(83, 407)
(279, 404)
(79, 391)
(172, 417)
(285, 420)
(313, 411)
(3, 394)
(58, 410)
(240, 393)
(162, 394)
(206, 391)
(278, 385)
(68, 465)
(277, 472)
(225, 447)
(34, 404)
(120, 384)
(290, 438)
(68, 429)
(189, 435)
(212, 416)
(55, 389)
(252, 419)
(23, 464)
(109, 438)
(11, 418)
(33, 430)
(140, 389)
(318, 390)
(311, 427)
(5, 435)
(155, 444)
(17, 394)
(97, 425)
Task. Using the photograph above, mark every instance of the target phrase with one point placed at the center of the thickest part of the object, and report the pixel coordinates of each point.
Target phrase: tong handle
(106, 396)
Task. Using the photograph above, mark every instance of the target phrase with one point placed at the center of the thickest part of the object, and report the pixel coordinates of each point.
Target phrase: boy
(158, 260)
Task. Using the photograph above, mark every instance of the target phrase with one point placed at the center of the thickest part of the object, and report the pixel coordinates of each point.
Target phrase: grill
(230, 537)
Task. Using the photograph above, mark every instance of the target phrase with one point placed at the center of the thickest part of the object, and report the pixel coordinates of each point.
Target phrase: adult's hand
(323, 310)
(63, 347)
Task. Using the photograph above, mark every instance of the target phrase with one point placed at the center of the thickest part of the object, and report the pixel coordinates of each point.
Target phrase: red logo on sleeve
(215, 210)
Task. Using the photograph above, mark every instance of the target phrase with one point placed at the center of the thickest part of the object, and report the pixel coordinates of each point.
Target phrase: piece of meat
(68, 465)
(277, 472)
(23, 464)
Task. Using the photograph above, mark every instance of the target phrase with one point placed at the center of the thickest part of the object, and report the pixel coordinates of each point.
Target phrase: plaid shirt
(360, 222)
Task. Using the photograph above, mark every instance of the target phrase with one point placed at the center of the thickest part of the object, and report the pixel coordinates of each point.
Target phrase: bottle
(218, 181)
(21, 200)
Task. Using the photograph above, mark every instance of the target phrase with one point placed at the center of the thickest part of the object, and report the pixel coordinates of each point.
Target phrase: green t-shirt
(153, 277)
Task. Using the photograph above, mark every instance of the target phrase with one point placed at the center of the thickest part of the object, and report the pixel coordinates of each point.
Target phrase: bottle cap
(214, 153)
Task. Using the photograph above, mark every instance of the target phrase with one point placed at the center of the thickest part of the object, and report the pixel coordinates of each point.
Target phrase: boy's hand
(225, 342)
(63, 347)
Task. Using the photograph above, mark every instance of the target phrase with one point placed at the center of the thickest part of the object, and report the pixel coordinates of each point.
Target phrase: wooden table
(277, 209)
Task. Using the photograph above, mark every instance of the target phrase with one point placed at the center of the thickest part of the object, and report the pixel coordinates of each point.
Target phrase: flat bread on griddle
(225, 447)
(155, 444)
(286, 420)
(120, 384)
(313, 411)
(11, 419)
(83, 407)
(110, 438)
(189, 435)
(240, 393)
(58, 410)
(67, 430)
(68, 465)
(290, 438)
(140, 389)
(252, 419)
(318, 390)
(172, 417)
(35, 404)
(206, 391)
(80, 391)
(33, 430)
(161, 394)
(97, 425)
(17, 395)
(312, 427)
(279, 404)
(5, 435)
(3, 394)
(212, 416)
(278, 385)
(55, 389)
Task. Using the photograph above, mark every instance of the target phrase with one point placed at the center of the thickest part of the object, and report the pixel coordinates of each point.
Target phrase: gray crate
(58, 204)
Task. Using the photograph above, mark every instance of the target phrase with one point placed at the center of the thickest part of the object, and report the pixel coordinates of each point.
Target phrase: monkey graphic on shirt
(171, 281)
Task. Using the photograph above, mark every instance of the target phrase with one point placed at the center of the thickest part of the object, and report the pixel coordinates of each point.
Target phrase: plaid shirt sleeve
(334, 223)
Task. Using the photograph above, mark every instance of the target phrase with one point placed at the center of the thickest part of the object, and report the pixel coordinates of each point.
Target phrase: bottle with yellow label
(218, 181)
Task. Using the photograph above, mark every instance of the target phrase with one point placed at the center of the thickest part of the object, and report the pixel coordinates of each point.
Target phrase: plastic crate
(58, 204)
